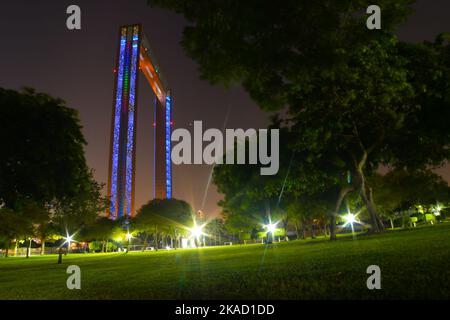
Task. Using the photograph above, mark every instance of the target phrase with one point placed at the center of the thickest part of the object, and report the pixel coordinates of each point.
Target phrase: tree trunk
(371, 209)
(339, 200)
(28, 248)
(311, 226)
(377, 226)
(392, 223)
(16, 248)
(145, 242)
(60, 255)
(380, 222)
(296, 230)
(43, 247)
(156, 238)
(7, 248)
(285, 224)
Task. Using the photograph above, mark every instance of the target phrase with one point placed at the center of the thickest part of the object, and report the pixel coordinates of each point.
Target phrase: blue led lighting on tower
(131, 124)
(116, 127)
(168, 147)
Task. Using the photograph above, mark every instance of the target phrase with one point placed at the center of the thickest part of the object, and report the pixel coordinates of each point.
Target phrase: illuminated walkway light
(271, 227)
(129, 236)
(196, 231)
(69, 239)
(350, 218)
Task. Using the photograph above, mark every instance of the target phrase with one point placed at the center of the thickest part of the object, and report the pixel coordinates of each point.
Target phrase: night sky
(37, 50)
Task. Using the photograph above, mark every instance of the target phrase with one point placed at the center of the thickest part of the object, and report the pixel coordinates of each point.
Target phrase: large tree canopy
(44, 178)
(269, 46)
(159, 217)
(42, 155)
(356, 98)
(400, 190)
(171, 210)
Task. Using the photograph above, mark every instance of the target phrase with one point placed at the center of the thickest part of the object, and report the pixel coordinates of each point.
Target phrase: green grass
(414, 264)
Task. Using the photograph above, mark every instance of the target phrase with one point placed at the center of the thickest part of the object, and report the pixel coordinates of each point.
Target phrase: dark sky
(37, 50)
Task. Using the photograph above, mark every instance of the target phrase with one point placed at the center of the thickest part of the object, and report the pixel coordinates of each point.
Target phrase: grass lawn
(414, 264)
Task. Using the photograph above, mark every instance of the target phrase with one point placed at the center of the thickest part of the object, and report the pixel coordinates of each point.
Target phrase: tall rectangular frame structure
(134, 54)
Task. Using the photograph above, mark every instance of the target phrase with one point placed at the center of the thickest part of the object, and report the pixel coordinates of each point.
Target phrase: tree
(378, 110)
(250, 199)
(401, 190)
(270, 47)
(35, 216)
(216, 229)
(71, 214)
(307, 174)
(44, 175)
(42, 148)
(12, 226)
(160, 217)
(309, 208)
(240, 225)
(362, 104)
(356, 95)
(101, 230)
(46, 230)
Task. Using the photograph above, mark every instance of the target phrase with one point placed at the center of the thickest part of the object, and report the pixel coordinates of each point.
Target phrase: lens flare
(196, 231)
(271, 227)
(350, 218)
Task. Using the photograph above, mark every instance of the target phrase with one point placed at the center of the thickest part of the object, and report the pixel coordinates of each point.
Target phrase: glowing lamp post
(437, 210)
(271, 227)
(350, 219)
(129, 236)
(69, 239)
(197, 232)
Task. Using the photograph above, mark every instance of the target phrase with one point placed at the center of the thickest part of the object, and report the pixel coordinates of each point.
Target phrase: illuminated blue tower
(134, 55)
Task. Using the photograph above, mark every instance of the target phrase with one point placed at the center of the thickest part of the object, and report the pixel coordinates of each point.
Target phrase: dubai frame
(134, 56)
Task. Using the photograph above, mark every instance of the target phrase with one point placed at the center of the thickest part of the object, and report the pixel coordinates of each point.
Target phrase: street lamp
(197, 231)
(437, 210)
(129, 236)
(270, 227)
(350, 219)
(69, 239)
